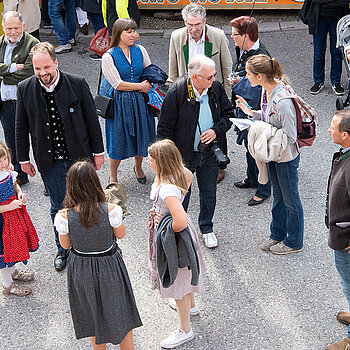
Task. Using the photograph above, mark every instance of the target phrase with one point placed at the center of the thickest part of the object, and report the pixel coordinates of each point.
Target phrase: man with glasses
(195, 113)
(199, 38)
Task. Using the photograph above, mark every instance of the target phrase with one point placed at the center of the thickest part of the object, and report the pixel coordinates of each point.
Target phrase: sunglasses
(209, 78)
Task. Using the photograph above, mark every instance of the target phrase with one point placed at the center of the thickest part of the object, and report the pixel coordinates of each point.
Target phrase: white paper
(242, 124)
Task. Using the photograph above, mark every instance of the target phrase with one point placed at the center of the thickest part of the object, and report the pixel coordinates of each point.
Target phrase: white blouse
(5, 173)
(110, 71)
(115, 217)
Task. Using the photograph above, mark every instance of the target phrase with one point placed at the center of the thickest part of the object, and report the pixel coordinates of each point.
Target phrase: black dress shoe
(60, 261)
(255, 202)
(241, 184)
(141, 180)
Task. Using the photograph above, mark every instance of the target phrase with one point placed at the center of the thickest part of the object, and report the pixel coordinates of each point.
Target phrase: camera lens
(219, 156)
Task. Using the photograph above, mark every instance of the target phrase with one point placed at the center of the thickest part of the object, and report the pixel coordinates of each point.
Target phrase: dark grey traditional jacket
(78, 112)
(174, 251)
(338, 202)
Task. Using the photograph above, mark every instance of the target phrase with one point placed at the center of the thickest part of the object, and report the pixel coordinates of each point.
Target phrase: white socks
(6, 273)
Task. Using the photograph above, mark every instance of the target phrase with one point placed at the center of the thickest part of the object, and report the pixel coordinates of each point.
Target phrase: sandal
(17, 289)
(23, 276)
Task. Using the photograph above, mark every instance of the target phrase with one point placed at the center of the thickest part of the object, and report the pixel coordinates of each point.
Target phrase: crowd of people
(54, 113)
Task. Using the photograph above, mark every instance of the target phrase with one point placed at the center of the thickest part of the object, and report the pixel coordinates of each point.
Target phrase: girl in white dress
(168, 190)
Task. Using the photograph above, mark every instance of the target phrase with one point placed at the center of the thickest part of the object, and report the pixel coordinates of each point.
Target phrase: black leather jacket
(179, 116)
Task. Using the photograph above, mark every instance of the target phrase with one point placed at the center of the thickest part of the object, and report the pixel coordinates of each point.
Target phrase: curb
(266, 27)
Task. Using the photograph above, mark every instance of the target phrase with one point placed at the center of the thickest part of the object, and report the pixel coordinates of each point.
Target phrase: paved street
(252, 299)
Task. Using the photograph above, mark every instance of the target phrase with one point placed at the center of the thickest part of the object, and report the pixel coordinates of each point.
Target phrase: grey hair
(198, 62)
(194, 10)
(11, 14)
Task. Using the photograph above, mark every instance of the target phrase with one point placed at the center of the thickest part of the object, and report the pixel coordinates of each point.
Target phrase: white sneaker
(177, 338)
(193, 312)
(63, 48)
(210, 240)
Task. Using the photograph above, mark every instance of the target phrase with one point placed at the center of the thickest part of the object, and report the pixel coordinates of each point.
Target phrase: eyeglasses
(209, 78)
(195, 25)
(235, 34)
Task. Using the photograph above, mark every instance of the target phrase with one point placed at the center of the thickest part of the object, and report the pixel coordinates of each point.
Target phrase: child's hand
(22, 197)
(15, 204)
(156, 219)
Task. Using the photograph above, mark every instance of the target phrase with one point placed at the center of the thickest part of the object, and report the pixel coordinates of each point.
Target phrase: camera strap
(192, 98)
(191, 95)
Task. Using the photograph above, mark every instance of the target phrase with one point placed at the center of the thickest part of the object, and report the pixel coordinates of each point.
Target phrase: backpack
(306, 116)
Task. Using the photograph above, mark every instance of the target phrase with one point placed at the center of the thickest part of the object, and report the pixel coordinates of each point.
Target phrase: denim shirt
(9, 92)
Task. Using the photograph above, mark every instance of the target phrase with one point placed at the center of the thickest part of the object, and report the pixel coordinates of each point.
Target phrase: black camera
(214, 148)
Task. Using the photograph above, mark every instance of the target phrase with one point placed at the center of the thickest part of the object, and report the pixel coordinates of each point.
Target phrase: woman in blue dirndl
(132, 128)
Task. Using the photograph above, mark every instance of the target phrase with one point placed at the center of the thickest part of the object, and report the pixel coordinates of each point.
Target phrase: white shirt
(52, 86)
(254, 47)
(195, 48)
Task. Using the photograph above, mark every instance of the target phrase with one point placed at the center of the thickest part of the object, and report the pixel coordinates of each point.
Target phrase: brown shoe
(221, 175)
(342, 345)
(17, 289)
(343, 317)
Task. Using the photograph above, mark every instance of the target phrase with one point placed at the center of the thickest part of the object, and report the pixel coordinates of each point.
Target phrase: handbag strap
(100, 78)
(99, 81)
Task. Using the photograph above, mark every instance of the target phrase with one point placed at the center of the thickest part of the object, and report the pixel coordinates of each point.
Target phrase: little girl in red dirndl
(17, 233)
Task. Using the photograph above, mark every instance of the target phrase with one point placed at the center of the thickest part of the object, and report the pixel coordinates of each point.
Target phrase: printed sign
(222, 4)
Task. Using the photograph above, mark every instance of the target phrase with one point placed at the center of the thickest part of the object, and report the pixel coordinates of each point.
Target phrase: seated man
(196, 111)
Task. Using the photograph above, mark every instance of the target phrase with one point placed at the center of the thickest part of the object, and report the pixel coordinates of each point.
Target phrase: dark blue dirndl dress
(132, 129)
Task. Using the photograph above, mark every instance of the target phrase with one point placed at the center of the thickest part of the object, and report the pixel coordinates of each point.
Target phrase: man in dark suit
(58, 112)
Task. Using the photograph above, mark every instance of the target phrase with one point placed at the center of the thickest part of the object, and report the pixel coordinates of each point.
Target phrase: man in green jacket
(15, 66)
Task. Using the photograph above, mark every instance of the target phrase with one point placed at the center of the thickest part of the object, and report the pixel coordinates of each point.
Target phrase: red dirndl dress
(18, 236)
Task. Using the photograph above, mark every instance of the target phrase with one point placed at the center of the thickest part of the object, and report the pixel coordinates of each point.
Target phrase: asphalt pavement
(252, 299)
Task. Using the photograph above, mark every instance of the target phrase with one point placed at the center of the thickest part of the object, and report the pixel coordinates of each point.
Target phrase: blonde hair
(170, 168)
(4, 151)
(263, 64)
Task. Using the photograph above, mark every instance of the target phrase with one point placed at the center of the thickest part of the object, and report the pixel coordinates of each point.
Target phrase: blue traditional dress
(17, 233)
(132, 129)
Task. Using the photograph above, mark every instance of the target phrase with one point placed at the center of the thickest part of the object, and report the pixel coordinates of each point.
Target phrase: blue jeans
(8, 118)
(287, 223)
(262, 191)
(320, 45)
(64, 31)
(207, 173)
(342, 264)
(55, 184)
(96, 20)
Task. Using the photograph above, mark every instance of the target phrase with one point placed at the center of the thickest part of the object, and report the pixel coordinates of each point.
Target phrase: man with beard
(58, 112)
(15, 66)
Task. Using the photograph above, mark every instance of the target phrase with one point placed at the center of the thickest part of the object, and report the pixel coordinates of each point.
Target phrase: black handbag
(104, 104)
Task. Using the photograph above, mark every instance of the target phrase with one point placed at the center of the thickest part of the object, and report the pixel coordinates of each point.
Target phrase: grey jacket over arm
(174, 251)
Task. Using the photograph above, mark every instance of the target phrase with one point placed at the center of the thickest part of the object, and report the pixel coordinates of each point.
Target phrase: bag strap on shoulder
(100, 77)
